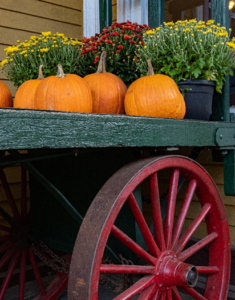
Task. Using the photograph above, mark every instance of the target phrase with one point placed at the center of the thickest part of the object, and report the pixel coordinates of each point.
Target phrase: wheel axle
(172, 272)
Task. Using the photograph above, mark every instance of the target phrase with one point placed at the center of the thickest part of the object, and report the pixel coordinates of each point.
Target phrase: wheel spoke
(148, 293)
(5, 238)
(176, 295)
(149, 240)
(9, 274)
(136, 288)
(157, 217)
(194, 293)
(7, 256)
(157, 295)
(6, 246)
(5, 228)
(127, 241)
(207, 270)
(169, 221)
(192, 228)
(36, 273)
(163, 296)
(199, 245)
(9, 196)
(169, 295)
(183, 212)
(127, 269)
(23, 193)
(22, 275)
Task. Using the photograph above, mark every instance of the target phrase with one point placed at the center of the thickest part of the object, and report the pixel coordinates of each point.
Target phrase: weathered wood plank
(2, 53)
(114, 13)
(35, 24)
(44, 10)
(10, 36)
(24, 129)
(75, 4)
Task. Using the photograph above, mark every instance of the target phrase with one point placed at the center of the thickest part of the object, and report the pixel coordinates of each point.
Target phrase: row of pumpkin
(101, 92)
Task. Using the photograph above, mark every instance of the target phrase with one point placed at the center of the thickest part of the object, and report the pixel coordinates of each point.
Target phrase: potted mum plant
(119, 41)
(23, 60)
(197, 55)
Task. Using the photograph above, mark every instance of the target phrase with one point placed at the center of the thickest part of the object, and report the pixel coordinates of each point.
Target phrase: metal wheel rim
(98, 222)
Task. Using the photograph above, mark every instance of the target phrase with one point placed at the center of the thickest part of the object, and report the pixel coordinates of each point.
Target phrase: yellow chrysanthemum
(150, 32)
(4, 62)
(169, 24)
(232, 45)
(46, 33)
(59, 35)
(200, 26)
(222, 34)
(44, 50)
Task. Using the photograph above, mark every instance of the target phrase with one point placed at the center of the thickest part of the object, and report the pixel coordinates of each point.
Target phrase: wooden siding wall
(114, 10)
(20, 19)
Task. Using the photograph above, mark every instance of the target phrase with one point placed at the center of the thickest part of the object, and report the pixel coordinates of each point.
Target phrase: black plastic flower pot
(198, 96)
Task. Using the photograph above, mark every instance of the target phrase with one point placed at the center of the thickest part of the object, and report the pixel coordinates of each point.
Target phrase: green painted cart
(91, 173)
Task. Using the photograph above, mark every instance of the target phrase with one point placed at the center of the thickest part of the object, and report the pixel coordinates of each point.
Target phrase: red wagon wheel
(165, 268)
(16, 252)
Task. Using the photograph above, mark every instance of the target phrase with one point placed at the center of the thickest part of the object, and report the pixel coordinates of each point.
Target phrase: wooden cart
(90, 171)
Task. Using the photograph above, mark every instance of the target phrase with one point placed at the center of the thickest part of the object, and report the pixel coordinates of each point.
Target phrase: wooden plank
(2, 52)
(44, 10)
(18, 130)
(35, 24)
(10, 36)
(75, 4)
(181, 5)
(114, 13)
(232, 235)
(3, 76)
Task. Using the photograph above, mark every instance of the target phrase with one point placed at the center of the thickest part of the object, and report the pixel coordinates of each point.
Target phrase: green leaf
(196, 72)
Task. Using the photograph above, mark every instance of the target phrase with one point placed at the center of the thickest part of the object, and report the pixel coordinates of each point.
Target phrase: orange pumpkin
(108, 90)
(155, 96)
(64, 92)
(5, 96)
(24, 97)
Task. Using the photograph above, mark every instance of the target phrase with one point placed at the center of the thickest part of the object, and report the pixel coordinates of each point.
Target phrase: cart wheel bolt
(192, 277)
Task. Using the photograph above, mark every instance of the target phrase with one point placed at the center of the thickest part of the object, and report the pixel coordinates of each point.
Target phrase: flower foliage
(22, 61)
(119, 41)
(189, 50)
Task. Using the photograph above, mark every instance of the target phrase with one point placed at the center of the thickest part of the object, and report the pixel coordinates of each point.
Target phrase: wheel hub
(172, 272)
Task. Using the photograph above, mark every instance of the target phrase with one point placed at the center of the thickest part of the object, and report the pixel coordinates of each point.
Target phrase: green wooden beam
(229, 173)
(105, 13)
(221, 103)
(156, 12)
(31, 129)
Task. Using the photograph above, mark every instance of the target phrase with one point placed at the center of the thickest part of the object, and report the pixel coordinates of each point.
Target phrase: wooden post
(156, 12)
(221, 102)
(105, 13)
(206, 14)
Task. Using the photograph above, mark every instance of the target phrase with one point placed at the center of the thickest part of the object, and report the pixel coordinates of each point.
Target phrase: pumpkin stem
(150, 68)
(102, 63)
(60, 72)
(40, 74)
